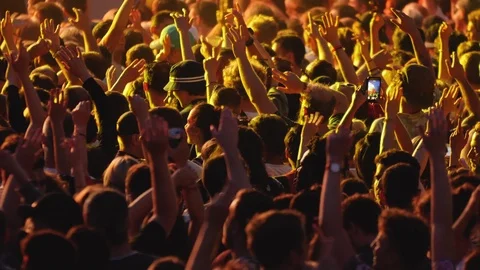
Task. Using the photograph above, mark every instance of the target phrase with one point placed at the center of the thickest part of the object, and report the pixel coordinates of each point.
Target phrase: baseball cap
(56, 210)
(127, 124)
(187, 75)
(172, 32)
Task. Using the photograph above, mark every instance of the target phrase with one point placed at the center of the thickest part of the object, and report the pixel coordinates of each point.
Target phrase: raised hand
(364, 48)
(20, 60)
(49, 32)
(238, 43)
(227, 132)
(434, 138)
(81, 20)
(359, 96)
(81, 114)
(210, 64)
(455, 69)
(404, 22)
(139, 106)
(444, 32)
(208, 50)
(72, 60)
(28, 147)
(313, 28)
(311, 125)
(57, 106)
(154, 136)
(236, 15)
(448, 98)
(458, 138)
(7, 31)
(39, 48)
(133, 71)
(111, 77)
(165, 52)
(136, 19)
(377, 22)
(292, 83)
(181, 20)
(382, 58)
(392, 102)
(329, 30)
(338, 144)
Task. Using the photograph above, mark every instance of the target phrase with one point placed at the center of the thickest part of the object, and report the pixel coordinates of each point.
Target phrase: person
(204, 16)
(292, 49)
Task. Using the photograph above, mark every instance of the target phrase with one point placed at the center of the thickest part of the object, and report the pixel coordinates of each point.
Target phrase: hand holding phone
(373, 89)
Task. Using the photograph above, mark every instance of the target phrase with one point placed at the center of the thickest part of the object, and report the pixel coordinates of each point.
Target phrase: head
(159, 21)
(307, 202)
(50, 11)
(60, 254)
(360, 218)
(295, 9)
(172, 5)
(227, 97)
(471, 64)
(128, 135)
(352, 186)
(199, 121)
(474, 153)
(214, 174)
(461, 11)
(92, 248)
(244, 207)
(101, 29)
(399, 186)
(388, 159)
(170, 263)
(312, 166)
(138, 52)
(277, 239)
(320, 99)
(69, 5)
(272, 129)
(96, 64)
(137, 181)
(175, 55)
(418, 84)
(156, 76)
(107, 212)
(264, 27)
(187, 81)
(204, 14)
(290, 48)
(473, 26)
(319, 68)
(468, 46)
(115, 174)
(403, 240)
(231, 76)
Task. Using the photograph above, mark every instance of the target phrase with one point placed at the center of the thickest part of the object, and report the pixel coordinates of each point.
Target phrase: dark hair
(157, 75)
(345, 35)
(407, 234)
(42, 81)
(272, 129)
(283, 201)
(292, 141)
(231, 76)
(319, 68)
(117, 105)
(393, 156)
(205, 115)
(159, 5)
(171, 115)
(49, 10)
(69, 5)
(312, 167)
(227, 97)
(160, 17)
(140, 51)
(431, 33)
(132, 38)
(92, 248)
(76, 94)
(361, 211)
(252, 150)
(207, 11)
(170, 263)
(249, 203)
(107, 212)
(471, 65)
(101, 29)
(307, 202)
(214, 175)
(96, 64)
(60, 253)
(400, 185)
(272, 237)
(293, 44)
(352, 186)
(137, 180)
(401, 40)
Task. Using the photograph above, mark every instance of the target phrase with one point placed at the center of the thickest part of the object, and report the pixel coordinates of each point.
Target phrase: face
(282, 54)
(193, 132)
(472, 33)
(474, 153)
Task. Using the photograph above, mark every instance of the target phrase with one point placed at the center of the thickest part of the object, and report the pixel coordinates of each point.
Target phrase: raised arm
(82, 22)
(210, 65)
(312, 125)
(469, 96)
(407, 25)
(6, 29)
(183, 27)
(155, 140)
(57, 109)
(392, 105)
(376, 23)
(78, 151)
(444, 33)
(322, 45)
(330, 214)
(120, 21)
(254, 87)
(21, 64)
(11, 89)
(458, 140)
(442, 240)
(358, 99)
(129, 74)
(330, 34)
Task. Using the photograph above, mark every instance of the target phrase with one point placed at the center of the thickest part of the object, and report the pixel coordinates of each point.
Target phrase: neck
(131, 151)
(156, 100)
(120, 250)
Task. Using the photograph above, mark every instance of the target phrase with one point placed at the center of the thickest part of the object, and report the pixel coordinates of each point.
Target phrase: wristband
(337, 48)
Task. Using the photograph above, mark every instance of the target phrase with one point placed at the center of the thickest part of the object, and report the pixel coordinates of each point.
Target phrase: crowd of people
(259, 134)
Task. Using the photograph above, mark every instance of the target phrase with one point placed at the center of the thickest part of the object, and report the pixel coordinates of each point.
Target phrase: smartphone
(174, 137)
(373, 88)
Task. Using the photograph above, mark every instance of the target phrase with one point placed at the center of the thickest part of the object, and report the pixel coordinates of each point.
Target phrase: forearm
(187, 53)
(205, 246)
(61, 160)
(236, 170)
(34, 105)
(387, 138)
(163, 196)
(374, 42)
(194, 203)
(472, 102)
(137, 211)
(211, 80)
(324, 52)
(421, 52)
(15, 109)
(442, 65)
(9, 203)
(120, 21)
(263, 53)
(348, 116)
(90, 42)
(403, 139)
(346, 66)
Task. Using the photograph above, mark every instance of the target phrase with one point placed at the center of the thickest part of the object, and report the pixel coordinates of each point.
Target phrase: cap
(172, 32)
(187, 75)
(127, 124)
(56, 210)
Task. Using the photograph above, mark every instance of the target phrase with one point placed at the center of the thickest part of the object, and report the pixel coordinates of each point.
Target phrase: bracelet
(337, 48)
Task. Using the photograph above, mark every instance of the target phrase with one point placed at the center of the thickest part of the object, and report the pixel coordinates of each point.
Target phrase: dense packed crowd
(259, 134)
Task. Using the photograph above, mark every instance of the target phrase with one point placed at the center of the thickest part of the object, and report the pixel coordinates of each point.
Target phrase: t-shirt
(150, 239)
(410, 121)
(275, 170)
(133, 261)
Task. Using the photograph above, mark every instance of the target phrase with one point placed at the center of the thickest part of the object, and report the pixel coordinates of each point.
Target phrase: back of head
(156, 76)
(207, 11)
(352, 186)
(204, 116)
(292, 141)
(273, 236)
(138, 52)
(251, 149)
(76, 94)
(170, 115)
(227, 97)
(49, 10)
(320, 100)
(264, 27)
(361, 211)
(248, 204)
(137, 181)
(107, 212)
(101, 29)
(117, 104)
(272, 129)
(69, 5)
(59, 255)
(292, 44)
(468, 46)
(96, 64)
(92, 248)
(471, 64)
(407, 234)
(319, 68)
(400, 185)
(392, 157)
(114, 176)
(307, 202)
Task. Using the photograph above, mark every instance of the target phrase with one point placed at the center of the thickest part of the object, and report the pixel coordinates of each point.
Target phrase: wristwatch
(334, 167)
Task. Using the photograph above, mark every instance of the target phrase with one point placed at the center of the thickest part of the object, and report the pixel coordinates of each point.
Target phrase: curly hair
(231, 75)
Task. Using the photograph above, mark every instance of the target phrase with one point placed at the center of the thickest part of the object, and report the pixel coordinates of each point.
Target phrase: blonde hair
(116, 172)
